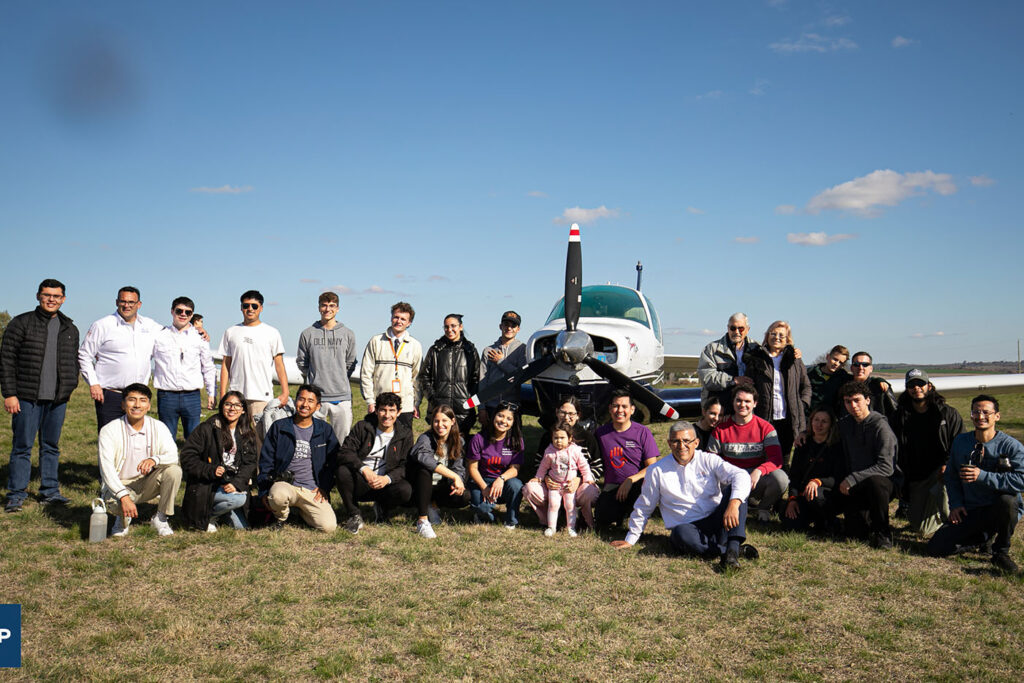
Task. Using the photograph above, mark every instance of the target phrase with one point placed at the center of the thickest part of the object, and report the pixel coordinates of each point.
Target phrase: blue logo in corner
(10, 636)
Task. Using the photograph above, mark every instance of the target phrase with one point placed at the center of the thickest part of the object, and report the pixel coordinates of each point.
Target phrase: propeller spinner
(574, 347)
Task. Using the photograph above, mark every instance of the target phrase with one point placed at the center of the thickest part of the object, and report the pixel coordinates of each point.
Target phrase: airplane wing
(968, 385)
(680, 365)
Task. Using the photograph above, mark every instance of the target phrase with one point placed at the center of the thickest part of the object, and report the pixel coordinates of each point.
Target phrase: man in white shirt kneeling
(703, 501)
(138, 463)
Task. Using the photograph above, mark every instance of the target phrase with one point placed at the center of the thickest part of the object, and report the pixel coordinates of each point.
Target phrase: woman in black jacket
(450, 373)
(776, 371)
(218, 461)
(812, 476)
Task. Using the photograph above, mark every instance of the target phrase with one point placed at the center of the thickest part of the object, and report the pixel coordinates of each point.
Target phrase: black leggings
(441, 493)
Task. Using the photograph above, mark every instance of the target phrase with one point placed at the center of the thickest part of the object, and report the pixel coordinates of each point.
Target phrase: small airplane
(596, 338)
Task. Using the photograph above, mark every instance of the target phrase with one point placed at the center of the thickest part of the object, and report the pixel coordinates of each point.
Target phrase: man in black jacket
(38, 372)
(371, 465)
(882, 399)
(925, 427)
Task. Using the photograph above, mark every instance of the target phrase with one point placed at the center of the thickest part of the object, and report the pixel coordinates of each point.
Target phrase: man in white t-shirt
(252, 351)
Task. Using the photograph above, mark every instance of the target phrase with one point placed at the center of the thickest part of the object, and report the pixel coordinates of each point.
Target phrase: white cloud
(837, 20)
(760, 87)
(816, 239)
(377, 289)
(901, 41)
(223, 189)
(864, 195)
(746, 240)
(341, 290)
(695, 211)
(437, 278)
(584, 216)
(923, 335)
(785, 209)
(536, 193)
(309, 281)
(813, 42)
(710, 95)
(982, 181)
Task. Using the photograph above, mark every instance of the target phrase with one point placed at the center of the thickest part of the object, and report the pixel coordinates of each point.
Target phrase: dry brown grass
(484, 603)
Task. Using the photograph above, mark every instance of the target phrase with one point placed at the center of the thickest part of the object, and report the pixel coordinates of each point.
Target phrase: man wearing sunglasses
(720, 367)
(38, 372)
(183, 364)
(117, 352)
(882, 399)
(252, 353)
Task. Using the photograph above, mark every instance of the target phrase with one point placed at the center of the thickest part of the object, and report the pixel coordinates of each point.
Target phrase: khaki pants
(320, 515)
(929, 504)
(162, 482)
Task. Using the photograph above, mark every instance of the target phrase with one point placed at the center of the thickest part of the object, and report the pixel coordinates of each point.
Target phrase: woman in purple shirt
(493, 462)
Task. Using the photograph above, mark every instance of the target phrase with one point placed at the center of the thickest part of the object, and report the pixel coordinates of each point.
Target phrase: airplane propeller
(574, 348)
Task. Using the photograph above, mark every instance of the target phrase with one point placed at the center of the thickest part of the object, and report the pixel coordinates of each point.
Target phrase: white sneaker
(211, 528)
(549, 532)
(161, 525)
(424, 529)
(764, 516)
(122, 525)
(572, 533)
(434, 515)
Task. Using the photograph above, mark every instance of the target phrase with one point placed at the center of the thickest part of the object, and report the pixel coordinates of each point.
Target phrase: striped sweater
(751, 445)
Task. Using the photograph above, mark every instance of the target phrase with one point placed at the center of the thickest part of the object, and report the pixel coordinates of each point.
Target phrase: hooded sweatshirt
(326, 358)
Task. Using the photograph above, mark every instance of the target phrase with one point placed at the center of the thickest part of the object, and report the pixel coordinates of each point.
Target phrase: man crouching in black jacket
(372, 463)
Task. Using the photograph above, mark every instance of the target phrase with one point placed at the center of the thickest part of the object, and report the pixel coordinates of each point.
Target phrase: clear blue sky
(850, 167)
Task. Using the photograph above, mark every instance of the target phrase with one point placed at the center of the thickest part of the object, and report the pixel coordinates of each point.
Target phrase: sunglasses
(250, 307)
(916, 383)
(737, 328)
(182, 311)
(508, 405)
(860, 365)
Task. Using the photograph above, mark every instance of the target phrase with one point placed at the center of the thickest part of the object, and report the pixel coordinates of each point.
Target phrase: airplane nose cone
(573, 347)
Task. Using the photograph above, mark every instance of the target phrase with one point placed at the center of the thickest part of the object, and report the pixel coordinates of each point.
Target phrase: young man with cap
(501, 360)
(925, 427)
(38, 372)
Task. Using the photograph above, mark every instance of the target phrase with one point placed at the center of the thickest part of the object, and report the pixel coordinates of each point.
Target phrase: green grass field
(483, 603)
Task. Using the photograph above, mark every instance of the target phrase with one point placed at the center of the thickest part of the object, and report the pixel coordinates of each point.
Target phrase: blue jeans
(511, 496)
(173, 404)
(44, 419)
(707, 537)
(228, 504)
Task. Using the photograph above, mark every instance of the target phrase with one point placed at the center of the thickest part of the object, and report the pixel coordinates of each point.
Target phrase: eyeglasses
(566, 413)
(52, 297)
(232, 406)
(182, 311)
(777, 335)
(683, 442)
(860, 365)
(737, 328)
(250, 307)
(983, 413)
(125, 302)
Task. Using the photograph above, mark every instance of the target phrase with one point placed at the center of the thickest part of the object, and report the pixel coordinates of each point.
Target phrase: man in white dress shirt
(117, 351)
(183, 363)
(702, 518)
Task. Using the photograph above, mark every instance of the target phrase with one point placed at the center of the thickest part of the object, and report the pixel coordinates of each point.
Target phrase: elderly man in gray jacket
(720, 367)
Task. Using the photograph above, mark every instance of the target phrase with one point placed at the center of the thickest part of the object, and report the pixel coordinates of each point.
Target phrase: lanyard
(395, 353)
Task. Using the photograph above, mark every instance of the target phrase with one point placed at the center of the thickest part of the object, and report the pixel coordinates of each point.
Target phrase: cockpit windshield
(606, 301)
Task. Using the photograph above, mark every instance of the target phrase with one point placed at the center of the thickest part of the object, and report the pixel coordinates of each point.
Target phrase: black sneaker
(381, 514)
(13, 506)
(1005, 563)
(731, 560)
(354, 523)
(277, 525)
(55, 499)
(880, 540)
(749, 552)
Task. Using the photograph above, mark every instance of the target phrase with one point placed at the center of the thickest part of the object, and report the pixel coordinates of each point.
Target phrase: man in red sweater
(749, 442)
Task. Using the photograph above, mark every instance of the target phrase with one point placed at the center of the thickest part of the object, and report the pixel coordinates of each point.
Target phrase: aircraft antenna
(639, 274)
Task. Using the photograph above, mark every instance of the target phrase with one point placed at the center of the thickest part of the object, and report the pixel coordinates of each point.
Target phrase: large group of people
(823, 451)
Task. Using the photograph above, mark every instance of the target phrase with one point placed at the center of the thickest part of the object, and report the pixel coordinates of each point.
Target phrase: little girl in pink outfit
(561, 463)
